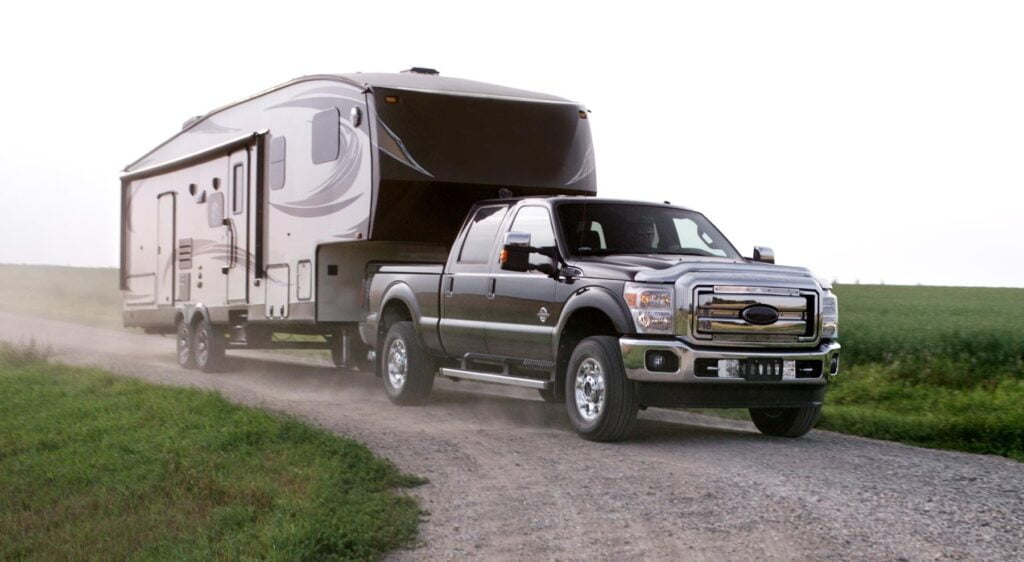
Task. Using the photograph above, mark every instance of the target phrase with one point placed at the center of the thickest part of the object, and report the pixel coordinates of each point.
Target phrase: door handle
(451, 286)
(490, 291)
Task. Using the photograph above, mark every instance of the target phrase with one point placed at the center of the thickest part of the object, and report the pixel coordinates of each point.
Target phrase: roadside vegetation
(86, 295)
(933, 366)
(94, 466)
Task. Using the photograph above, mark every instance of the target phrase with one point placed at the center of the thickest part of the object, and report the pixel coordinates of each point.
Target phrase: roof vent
(190, 121)
(422, 70)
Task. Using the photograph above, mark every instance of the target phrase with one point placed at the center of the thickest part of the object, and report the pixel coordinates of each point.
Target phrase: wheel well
(583, 323)
(394, 311)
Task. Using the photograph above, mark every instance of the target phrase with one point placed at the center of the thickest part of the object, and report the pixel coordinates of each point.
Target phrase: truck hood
(653, 268)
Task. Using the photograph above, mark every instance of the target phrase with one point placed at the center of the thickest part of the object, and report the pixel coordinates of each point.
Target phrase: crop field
(933, 366)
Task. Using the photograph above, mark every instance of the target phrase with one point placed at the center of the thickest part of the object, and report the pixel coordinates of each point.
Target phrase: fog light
(660, 361)
(833, 368)
(729, 369)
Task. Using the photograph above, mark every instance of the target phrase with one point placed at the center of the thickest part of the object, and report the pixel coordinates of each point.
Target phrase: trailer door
(165, 249)
(239, 204)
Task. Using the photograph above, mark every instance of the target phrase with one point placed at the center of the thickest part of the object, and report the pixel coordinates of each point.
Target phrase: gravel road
(510, 480)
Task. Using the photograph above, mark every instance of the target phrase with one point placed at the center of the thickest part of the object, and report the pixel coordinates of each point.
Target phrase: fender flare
(598, 298)
(404, 294)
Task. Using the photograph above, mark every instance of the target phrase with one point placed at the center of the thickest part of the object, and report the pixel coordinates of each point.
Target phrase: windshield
(597, 229)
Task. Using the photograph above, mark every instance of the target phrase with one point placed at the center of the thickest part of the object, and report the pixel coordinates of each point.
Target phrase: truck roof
(581, 198)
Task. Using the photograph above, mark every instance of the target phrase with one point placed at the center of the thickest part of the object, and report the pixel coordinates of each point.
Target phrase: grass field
(94, 466)
(85, 295)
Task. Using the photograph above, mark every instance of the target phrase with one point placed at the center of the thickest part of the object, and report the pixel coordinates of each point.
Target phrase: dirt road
(509, 479)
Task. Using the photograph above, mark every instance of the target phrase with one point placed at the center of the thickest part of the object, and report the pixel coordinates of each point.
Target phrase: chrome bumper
(634, 353)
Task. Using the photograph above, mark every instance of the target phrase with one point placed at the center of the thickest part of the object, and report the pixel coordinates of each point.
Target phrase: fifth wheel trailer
(260, 218)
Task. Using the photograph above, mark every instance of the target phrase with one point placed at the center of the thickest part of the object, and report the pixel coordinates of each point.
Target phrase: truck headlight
(652, 307)
(829, 315)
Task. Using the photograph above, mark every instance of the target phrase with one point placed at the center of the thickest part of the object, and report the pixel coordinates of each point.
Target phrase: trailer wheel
(186, 357)
(785, 422)
(601, 401)
(407, 371)
(208, 347)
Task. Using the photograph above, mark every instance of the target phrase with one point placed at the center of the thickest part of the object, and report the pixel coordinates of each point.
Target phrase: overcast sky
(870, 141)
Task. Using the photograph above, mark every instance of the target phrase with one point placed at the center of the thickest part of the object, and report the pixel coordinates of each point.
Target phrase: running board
(493, 378)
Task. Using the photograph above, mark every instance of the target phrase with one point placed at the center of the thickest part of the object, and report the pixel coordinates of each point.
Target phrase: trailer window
(480, 238)
(238, 189)
(277, 153)
(326, 136)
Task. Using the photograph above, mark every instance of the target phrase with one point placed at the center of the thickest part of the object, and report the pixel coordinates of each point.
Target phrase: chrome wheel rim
(589, 389)
(202, 346)
(183, 346)
(398, 363)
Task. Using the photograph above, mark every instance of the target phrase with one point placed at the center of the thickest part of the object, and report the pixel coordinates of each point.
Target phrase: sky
(873, 142)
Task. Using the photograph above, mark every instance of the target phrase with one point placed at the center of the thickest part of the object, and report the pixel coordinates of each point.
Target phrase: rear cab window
(478, 243)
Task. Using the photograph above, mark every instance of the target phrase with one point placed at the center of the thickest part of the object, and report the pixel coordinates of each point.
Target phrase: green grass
(94, 466)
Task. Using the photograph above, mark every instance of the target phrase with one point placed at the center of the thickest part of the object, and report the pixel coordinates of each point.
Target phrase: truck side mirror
(764, 254)
(515, 253)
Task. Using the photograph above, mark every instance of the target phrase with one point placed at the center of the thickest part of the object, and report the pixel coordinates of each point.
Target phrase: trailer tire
(602, 403)
(186, 355)
(406, 369)
(785, 422)
(208, 347)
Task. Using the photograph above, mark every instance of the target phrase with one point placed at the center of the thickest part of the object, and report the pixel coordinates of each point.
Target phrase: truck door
(237, 213)
(466, 284)
(165, 249)
(524, 312)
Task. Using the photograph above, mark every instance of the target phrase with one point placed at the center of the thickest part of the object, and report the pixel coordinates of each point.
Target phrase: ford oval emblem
(760, 314)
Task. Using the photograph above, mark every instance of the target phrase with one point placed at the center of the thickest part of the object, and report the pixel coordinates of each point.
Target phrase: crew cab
(610, 307)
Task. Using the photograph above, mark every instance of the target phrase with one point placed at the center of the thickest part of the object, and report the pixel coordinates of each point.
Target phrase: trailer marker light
(391, 99)
(583, 114)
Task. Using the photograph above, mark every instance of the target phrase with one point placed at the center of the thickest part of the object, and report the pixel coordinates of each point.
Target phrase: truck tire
(785, 422)
(602, 403)
(186, 356)
(208, 347)
(407, 371)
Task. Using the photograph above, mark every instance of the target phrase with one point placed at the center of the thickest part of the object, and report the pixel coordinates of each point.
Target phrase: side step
(493, 378)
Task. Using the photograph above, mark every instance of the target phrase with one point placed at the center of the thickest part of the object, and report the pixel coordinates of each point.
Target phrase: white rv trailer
(260, 217)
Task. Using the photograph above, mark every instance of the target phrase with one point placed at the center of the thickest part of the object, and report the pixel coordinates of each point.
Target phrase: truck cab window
(536, 222)
(480, 239)
(691, 237)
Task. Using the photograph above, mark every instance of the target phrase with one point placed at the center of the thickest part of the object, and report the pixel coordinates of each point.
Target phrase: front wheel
(785, 422)
(601, 401)
(407, 370)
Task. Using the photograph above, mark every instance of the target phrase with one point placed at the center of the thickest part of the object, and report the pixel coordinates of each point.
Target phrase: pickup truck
(610, 306)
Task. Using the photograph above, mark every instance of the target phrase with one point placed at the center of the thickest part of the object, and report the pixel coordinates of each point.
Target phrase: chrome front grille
(719, 314)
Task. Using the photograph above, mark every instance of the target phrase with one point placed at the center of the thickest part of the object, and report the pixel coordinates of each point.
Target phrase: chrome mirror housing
(764, 254)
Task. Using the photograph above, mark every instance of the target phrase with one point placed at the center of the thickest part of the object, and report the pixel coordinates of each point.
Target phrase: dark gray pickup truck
(610, 306)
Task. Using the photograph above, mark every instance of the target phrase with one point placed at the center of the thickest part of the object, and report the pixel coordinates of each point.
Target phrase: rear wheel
(407, 370)
(785, 422)
(601, 401)
(186, 357)
(208, 346)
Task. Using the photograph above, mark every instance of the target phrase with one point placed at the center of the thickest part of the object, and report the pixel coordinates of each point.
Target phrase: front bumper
(635, 351)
